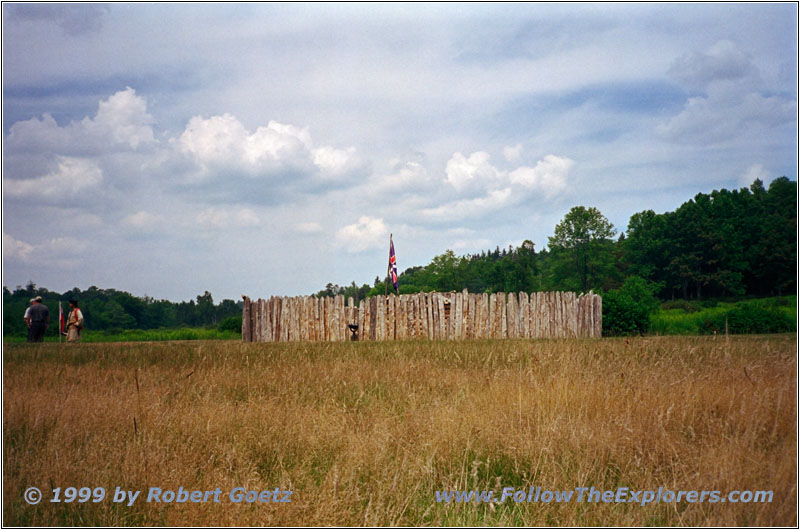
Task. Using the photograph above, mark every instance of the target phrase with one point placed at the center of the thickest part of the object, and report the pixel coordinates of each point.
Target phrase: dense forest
(724, 245)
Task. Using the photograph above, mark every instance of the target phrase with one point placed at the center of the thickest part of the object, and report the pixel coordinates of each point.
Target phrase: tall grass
(365, 433)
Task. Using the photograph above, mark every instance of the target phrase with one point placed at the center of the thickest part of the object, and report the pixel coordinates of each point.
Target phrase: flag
(60, 320)
(392, 264)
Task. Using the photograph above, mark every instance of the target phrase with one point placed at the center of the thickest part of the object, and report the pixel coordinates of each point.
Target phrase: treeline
(109, 309)
(724, 244)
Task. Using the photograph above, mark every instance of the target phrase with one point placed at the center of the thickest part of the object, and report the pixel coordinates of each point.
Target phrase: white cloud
(16, 249)
(220, 144)
(121, 122)
(333, 161)
(471, 172)
(65, 245)
(471, 244)
(124, 117)
(492, 201)
(71, 177)
(549, 176)
(512, 153)
(756, 171)
(233, 217)
(721, 62)
(60, 251)
(367, 233)
(726, 114)
(143, 220)
(308, 228)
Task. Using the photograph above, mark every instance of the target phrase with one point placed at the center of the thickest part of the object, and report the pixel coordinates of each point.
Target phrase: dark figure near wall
(38, 318)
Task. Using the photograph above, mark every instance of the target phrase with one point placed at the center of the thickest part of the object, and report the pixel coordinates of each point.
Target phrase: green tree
(583, 248)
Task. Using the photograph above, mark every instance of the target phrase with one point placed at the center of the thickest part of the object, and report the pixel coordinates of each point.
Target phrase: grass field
(365, 433)
(140, 335)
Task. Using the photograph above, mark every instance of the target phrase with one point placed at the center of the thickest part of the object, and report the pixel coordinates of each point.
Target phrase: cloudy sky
(169, 149)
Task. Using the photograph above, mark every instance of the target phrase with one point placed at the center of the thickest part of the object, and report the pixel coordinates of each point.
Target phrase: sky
(271, 149)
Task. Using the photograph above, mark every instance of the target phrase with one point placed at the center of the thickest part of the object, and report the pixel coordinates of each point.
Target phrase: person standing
(74, 322)
(38, 320)
(27, 318)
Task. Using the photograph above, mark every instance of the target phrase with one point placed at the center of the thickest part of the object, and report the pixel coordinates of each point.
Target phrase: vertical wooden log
(482, 317)
(587, 315)
(584, 316)
(546, 314)
(540, 309)
(476, 316)
(417, 314)
(574, 303)
(405, 316)
(469, 316)
(373, 317)
(341, 322)
(491, 331)
(394, 306)
(276, 319)
(303, 321)
(433, 301)
(505, 320)
(279, 327)
(246, 337)
(286, 313)
(442, 317)
(457, 311)
(558, 320)
(255, 315)
(360, 319)
(427, 314)
(380, 321)
(268, 318)
(291, 318)
(598, 316)
(262, 320)
(319, 314)
(510, 310)
(296, 318)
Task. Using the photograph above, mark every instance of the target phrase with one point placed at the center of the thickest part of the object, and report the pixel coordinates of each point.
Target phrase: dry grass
(364, 433)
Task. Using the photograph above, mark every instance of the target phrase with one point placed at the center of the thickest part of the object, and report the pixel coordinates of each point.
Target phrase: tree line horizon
(738, 243)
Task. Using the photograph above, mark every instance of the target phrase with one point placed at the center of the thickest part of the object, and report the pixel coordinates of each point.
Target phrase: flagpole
(388, 269)
(60, 319)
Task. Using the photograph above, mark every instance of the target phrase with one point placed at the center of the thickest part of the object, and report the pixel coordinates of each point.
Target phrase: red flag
(392, 264)
(60, 319)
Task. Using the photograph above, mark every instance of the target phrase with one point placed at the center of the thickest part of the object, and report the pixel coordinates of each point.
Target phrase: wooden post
(246, 337)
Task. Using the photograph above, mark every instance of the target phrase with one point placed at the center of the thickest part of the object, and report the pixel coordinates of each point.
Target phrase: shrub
(627, 310)
(231, 324)
(752, 317)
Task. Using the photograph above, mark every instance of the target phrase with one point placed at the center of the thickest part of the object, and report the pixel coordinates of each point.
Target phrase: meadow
(365, 433)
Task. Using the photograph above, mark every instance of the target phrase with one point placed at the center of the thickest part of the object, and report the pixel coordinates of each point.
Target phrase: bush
(751, 317)
(627, 310)
(231, 324)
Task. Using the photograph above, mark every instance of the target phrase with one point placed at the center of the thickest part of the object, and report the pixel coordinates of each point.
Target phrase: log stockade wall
(430, 316)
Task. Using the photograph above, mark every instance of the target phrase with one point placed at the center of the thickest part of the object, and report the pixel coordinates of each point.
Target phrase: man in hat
(38, 318)
(74, 322)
